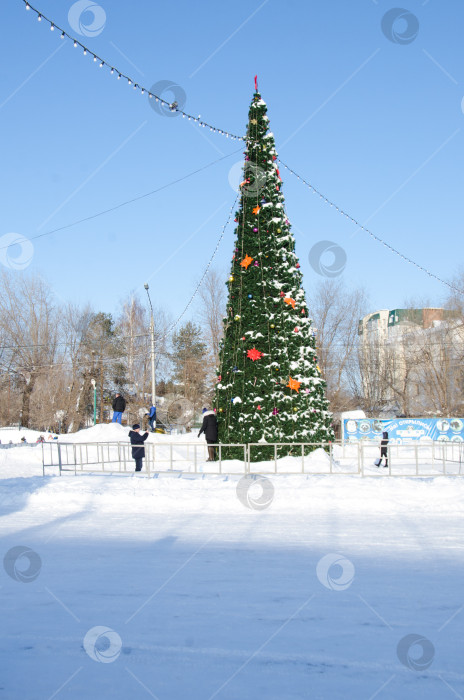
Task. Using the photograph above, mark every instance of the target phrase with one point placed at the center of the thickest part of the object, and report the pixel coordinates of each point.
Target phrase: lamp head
(146, 286)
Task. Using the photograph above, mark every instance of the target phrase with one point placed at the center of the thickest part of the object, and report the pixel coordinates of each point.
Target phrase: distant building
(412, 360)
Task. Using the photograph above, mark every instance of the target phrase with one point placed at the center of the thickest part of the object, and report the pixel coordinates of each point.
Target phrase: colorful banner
(404, 429)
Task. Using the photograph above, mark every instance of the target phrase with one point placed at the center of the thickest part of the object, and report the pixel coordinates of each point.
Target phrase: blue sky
(374, 124)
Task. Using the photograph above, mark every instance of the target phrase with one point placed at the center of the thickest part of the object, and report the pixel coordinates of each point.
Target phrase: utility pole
(94, 384)
(153, 371)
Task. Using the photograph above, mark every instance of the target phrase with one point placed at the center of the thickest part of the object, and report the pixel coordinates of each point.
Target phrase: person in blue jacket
(138, 449)
(152, 417)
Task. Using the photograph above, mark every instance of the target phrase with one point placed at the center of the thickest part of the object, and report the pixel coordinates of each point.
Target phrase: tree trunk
(26, 400)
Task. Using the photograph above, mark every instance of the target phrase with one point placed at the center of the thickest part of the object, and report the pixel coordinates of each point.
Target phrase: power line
(129, 201)
(363, 228)
(173, 107)
(141, 335)
(171, 328)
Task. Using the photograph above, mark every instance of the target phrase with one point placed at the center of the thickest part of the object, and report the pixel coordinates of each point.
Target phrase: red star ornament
(293, 384)
(246, 261)
(254, 354)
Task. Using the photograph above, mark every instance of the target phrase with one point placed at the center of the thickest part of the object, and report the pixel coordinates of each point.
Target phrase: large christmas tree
(269, 384)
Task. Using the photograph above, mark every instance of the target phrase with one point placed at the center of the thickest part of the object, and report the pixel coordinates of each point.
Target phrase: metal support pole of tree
(153, 369)
(94, 384)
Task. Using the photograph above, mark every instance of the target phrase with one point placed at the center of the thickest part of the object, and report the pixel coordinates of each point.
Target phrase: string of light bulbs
(373, 235)
(173, 107)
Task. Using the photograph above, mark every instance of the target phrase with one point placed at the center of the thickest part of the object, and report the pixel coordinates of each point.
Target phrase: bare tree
(368, 376)
(439, 374)
(133, 323)
(455, 297)
(29, 329)
(336, 311)
(77, 365)
(211, 311)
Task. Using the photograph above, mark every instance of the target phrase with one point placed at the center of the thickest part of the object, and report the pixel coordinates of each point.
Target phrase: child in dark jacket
(138, 449)
(383, 449)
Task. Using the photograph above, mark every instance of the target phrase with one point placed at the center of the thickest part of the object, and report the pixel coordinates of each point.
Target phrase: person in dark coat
(119, 406)
(138, 449)
(384, 450)
(210, 429)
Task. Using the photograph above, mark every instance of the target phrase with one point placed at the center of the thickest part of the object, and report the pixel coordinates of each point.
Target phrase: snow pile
(102, 432)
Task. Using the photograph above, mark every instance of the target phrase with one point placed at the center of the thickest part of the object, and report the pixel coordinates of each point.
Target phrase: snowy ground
(207, 598)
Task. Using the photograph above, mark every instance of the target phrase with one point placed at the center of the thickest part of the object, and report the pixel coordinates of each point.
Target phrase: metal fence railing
(106, 457)
(411, 459)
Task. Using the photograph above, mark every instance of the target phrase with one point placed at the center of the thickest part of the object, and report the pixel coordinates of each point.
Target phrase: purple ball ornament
(256, 263)
(255, 230)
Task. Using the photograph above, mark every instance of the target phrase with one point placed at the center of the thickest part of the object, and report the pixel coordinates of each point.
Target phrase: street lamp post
(153, 371)
(94, 384)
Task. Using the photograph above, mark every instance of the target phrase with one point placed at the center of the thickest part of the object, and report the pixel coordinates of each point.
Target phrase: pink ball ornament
(255, 230)
(256, 263)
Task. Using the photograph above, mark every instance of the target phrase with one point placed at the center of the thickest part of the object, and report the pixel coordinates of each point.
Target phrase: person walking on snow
(119, 406)
(384, 450)
(152, 417)
(210, 429)
(138, 449)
